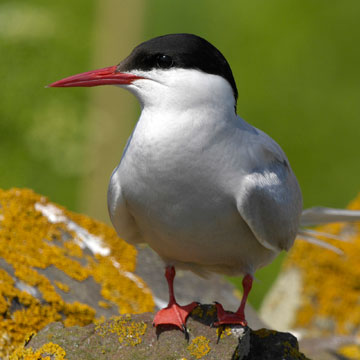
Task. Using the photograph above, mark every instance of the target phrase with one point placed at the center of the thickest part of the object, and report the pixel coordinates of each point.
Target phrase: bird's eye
(164, 61)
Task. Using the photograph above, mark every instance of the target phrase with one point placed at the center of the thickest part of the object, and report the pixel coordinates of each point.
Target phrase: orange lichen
(129, 332)
(29, 242)
(331, 291)
(199, 347)
(46, 352)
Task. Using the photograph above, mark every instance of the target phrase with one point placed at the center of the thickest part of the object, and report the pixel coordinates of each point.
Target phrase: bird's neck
(185, 90)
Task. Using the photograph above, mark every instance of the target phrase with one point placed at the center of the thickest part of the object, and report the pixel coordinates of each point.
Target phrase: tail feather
(324, 215)
(317, 234)
(321, 243)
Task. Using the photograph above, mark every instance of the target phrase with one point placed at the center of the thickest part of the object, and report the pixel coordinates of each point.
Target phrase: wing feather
(122, 220)
(270, 199)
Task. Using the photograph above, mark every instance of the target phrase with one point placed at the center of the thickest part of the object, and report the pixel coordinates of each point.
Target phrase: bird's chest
(163, 163)
(168, 173)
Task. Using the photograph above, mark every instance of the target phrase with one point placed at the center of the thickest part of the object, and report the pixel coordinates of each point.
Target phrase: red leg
(227, 318)
(173, 314)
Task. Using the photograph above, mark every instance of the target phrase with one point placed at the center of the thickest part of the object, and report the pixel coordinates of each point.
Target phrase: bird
(201, 186)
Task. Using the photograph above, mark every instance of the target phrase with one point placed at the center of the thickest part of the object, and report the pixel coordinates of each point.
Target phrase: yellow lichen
(129, 332)
(98, 321)
(199, 347)
(47, 351)
(331, 282)
(72, 310)
(351, 352)
(30, 242)
(62, 286)
(104, 304)
(222, 332)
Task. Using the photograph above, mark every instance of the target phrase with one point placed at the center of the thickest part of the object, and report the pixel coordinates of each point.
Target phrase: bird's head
(168, 71)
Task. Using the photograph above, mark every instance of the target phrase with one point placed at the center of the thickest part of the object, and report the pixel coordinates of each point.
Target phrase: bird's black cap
(185, 51)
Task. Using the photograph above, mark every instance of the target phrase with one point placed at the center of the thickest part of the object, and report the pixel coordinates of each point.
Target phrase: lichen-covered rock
(321, 288)
(132, 337)
(56, 265)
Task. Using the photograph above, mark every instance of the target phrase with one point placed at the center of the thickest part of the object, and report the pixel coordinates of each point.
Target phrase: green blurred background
(296, 64)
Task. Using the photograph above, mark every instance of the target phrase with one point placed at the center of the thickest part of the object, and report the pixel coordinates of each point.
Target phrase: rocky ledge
(133, 337)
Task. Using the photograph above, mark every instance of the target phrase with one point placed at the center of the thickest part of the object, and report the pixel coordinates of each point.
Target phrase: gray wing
(269, 198)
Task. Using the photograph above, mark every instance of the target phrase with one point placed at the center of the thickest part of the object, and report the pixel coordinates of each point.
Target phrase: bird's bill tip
(104, 76)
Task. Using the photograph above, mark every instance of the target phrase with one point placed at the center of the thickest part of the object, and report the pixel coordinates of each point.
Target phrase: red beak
(105, 76)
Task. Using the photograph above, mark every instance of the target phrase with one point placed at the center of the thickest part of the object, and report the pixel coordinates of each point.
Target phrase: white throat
(182, 90)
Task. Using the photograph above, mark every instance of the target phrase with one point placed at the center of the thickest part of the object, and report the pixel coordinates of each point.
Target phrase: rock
(132, 337)
(56, 265)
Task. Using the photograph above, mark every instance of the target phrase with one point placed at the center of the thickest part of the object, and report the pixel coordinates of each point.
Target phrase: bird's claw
(220, 331)
(186, 333)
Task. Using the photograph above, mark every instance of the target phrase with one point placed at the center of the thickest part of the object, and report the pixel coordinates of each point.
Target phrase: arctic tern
(205, 189)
